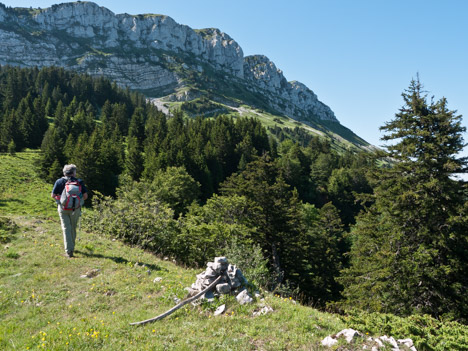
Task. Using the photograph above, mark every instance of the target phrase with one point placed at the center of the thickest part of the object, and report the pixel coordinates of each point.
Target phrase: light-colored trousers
(69, 221)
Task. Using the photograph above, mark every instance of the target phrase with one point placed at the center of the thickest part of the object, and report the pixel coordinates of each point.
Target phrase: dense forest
(382, 232)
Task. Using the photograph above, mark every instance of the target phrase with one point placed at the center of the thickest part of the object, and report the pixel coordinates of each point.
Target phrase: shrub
(173, 187)
(426, 332)
(12, 254)
(249, 258)
(12, 148)
(7, 229)
(208, 229)
(149, 225)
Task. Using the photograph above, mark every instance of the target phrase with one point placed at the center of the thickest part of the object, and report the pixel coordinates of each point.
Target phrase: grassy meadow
(45, 303)
(49, 302)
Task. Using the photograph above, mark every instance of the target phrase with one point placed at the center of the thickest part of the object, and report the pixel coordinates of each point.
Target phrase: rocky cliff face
(292, 98)
(150, 53)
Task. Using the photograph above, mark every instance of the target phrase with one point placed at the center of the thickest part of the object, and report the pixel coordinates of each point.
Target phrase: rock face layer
(149, 53)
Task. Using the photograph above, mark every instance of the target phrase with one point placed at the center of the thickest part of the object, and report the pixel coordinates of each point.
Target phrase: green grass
(45, 304)
(21, 190)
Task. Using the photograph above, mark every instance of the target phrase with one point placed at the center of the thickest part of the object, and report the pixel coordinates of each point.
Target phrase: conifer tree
(323, 257)
(7, 130)
(62, 120)
(49, 109)
(137, 125)
(155, 133)
(55, 170)
(410, 250)
(40, 122)
(134, 159)
(11, 148)
(52, 150)
(275, 210)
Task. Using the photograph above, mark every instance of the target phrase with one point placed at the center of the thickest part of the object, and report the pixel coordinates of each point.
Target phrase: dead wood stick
(182, 303)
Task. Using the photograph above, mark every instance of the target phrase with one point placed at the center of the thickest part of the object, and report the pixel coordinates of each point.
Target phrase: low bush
(426, 332)
(149, 225)
(249, 258)
(7, 229)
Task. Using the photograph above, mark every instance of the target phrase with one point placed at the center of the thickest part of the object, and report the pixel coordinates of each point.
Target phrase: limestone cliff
(293, 98)
(150, 53)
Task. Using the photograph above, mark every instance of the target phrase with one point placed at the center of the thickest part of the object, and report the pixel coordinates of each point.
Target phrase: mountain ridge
(155, 55)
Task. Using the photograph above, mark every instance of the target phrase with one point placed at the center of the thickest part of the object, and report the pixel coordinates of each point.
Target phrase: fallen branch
(182, 303)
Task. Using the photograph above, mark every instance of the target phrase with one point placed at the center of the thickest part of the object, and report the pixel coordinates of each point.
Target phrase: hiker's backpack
(72, 197)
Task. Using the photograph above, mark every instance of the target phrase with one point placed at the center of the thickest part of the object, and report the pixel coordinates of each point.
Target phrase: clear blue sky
(357, 56)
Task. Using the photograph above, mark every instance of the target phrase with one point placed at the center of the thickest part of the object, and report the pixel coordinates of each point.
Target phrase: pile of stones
(232, 281)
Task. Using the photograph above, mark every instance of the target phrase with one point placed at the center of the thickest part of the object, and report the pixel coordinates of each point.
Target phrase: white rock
(157, 279)
(379, 342)
(244, 297)
(348, 334)
(407, 342)
(220, 310)
(210, 272)
(329, 341)
(262, 311)
(300, 100)
(391, 341)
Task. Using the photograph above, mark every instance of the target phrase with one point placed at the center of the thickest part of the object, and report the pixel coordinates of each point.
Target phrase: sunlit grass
(21, 190)
(45, 304)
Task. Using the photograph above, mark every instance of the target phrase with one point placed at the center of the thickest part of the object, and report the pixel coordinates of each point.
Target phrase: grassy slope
(343, 138)
(44, 304)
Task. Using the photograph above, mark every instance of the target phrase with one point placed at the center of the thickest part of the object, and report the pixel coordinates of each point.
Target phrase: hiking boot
(69, 254)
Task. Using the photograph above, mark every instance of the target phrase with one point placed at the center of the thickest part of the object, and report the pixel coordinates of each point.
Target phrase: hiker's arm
(57, 190)
(84, 190)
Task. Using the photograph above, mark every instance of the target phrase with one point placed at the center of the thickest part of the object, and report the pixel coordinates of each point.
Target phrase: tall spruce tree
(410, 249)
(134, 162)
(276, 211)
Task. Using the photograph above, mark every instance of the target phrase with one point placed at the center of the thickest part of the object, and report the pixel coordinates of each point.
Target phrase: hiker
(69, 193)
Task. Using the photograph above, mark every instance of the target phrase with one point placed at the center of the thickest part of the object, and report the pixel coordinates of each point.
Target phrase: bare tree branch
(182, 303)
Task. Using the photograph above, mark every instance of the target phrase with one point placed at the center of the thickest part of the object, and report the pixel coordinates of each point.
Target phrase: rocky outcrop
(369, 343)
(150, 53)
(107, 30)
(292, 98)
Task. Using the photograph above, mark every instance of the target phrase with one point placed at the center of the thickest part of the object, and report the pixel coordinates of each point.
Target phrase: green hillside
(46, 304)
(341, 138)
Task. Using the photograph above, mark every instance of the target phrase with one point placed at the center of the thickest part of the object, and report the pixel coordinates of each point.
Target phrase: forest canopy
(382, 232)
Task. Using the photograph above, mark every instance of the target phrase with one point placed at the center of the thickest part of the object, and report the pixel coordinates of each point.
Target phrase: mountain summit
(151, 53)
